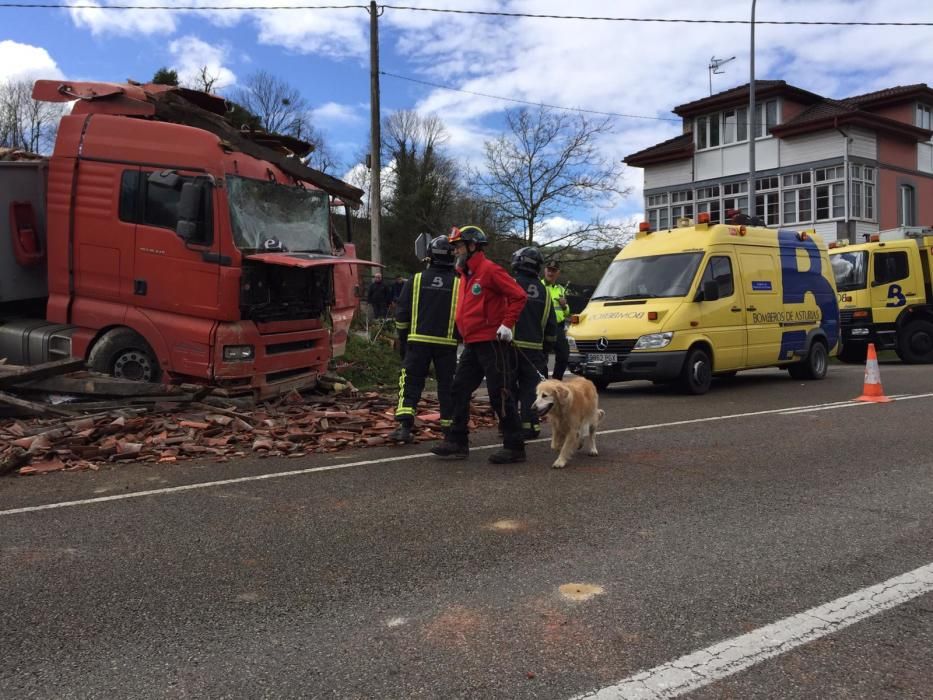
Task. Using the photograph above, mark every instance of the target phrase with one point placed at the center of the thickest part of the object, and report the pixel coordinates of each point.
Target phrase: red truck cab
(184, 251)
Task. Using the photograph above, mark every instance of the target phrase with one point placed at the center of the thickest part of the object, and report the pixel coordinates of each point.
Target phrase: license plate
(602, 358)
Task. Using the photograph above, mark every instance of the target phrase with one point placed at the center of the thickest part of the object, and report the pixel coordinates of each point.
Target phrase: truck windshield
(850, 270)
(274, 217)
(649, 277)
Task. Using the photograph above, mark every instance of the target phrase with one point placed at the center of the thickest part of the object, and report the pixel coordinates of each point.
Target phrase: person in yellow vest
(425, 318)
(558, 295)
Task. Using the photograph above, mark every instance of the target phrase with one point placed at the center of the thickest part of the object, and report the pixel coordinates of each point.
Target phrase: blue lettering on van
(761, 285)
(897, 294)
(797, 283)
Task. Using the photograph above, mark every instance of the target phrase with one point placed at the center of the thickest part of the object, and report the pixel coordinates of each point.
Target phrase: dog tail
(600, 415)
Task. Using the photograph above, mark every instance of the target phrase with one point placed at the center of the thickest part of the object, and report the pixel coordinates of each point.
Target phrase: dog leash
(525, 357)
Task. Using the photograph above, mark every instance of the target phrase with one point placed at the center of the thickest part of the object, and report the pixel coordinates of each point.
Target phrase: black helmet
(468, 234)
(441, 252)
(527, 259)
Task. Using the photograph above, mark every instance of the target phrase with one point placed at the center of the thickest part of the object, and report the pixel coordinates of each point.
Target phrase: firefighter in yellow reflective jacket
(558, 295)
(535, 333)
(425, 314)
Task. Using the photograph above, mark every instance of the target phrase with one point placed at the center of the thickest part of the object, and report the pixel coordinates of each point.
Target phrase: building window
(681, 205)
(835, 173)
(766, 203)
(925, 116)
(731, 200)
(862, 188)
(765, 117)
(657, 213)
(798, 206)
(708, 131)
(830, 196)
(708, 201)
(907, 201)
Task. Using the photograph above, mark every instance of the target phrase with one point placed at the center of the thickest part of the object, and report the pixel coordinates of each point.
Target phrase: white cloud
(333, 112)
(24, 61)
(190, 54)
(91, 15)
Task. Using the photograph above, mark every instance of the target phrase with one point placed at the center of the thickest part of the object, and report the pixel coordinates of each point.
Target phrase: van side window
(719, 270)
(890, 267)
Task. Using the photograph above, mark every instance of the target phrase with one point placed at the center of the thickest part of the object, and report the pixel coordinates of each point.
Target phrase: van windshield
(649, 277)
(274, 217)
(850, 270)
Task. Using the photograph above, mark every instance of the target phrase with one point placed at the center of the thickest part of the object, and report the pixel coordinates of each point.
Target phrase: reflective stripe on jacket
(427, 307)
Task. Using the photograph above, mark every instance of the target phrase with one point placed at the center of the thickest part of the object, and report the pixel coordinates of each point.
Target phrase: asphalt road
(390, 575)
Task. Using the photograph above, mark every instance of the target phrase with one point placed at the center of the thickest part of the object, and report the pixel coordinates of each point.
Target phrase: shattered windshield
(649, 277)
(850, 270)
(273, 217)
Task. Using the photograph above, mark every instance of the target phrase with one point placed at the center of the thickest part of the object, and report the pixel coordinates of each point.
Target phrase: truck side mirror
(165, 178)
(422, 244)
(710, 290)
(191, 224)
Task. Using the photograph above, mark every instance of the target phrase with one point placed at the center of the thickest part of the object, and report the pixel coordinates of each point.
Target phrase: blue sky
(643, 69)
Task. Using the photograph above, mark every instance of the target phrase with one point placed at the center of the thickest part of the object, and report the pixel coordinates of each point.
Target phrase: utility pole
(375, 180)
(751, 121)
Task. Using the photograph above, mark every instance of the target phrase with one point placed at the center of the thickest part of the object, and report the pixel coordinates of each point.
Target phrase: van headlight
(572, 344)
(653, 341)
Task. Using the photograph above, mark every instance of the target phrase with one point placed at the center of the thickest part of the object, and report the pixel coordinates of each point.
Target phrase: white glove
(504, 334)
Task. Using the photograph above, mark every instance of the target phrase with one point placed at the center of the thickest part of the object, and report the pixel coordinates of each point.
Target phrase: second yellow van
(690, 303)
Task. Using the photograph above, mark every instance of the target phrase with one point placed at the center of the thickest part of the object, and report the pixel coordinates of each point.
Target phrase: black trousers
(418, 360)
(530, 364)
(497, 363)
(561, 352)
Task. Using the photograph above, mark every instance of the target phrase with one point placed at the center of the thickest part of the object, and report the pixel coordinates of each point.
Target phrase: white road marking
(705, 666)
(416, 456)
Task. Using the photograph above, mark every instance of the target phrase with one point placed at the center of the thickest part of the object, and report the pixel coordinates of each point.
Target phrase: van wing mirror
(191, 219)
(710, 290)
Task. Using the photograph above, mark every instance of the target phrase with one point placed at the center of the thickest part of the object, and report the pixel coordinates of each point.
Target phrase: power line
(440, 10)
(526, 102)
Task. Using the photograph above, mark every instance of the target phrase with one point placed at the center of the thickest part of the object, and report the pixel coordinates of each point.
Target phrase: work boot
(506, 456)
(402, 434)
(531, 434)
(450, 450)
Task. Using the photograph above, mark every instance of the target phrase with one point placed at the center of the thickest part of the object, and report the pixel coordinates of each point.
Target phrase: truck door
(173, 273)
(892, 283)
(763, 306)
(724, 319)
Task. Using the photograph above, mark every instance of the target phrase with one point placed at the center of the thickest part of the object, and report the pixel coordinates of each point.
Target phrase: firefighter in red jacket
(489, 305)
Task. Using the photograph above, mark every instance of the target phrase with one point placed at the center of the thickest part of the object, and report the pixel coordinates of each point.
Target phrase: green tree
(166, 76)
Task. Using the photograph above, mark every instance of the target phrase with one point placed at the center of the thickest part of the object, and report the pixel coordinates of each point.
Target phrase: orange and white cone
(872, 390)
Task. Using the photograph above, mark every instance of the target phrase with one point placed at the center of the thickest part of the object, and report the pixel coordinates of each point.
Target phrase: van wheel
(853, 354)
(124, 354)
(697, 374)
(815, 364)
(915, 343)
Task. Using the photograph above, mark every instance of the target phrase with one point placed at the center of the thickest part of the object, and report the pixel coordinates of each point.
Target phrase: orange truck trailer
(160, 243)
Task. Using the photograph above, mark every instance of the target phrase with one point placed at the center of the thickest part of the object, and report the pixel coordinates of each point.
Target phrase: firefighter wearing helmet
(424, 317)
(489, 305)
(535, 333)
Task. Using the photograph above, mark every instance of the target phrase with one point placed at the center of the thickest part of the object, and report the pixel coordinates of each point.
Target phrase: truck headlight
(572, 344)
(238, 353)
(653, 341)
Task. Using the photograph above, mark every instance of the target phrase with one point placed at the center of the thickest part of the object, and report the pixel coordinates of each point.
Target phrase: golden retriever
(573, 406)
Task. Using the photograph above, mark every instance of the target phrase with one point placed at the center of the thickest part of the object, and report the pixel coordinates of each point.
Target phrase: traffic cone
(872, 390)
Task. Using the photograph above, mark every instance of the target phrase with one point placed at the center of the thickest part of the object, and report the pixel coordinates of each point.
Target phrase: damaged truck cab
(181, 249)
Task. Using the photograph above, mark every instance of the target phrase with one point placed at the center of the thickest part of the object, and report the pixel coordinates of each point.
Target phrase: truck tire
(915, 342)
(853, 354)
(697, 374)
(815, 364)
(124, 354)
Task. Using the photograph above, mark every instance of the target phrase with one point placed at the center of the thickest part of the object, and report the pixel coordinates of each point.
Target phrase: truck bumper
(884, 336)
(654, 366)
(285, 356)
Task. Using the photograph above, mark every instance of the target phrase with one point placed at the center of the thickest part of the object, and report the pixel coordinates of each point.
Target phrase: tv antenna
(714, 68)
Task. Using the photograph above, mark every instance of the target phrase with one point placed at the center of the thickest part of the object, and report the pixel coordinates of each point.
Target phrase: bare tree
(205, 81)
(26, 123)
(548, 164)
(280, 107)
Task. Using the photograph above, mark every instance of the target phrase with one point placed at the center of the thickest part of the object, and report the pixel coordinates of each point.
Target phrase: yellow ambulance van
(686, 304)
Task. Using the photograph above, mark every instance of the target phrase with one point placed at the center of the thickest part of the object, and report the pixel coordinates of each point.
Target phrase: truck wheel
(697, 374)
(915, 343)
(124, 354)
(853, 354)
(814, 366)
